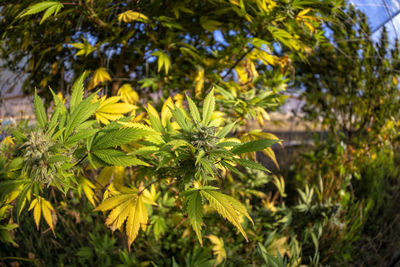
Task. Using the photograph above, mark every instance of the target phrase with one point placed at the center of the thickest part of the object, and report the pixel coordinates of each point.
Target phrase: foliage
(351, 83)
(159, 171)
(165, 46)
(351, 92)
(185, 152)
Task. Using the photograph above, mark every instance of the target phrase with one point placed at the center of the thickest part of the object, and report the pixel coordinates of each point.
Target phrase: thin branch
(237, 62)
(82, 159)
(94, 17)
(147, 186)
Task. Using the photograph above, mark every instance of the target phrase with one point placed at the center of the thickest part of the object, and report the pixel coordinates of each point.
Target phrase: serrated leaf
(163, 61)
(53, 10)
(129, 16)
(108, 173)
(58, 110)
(271, 154)
(154, 118)
(47, 209)
(231, 168)
(136, 218)
(119, 137)
(208, 107)
(39, 110)
(51, 7)
(82, 112)
(37, 212)
(127, 206)
(112, 202)
(19, 136)
(81, 135)
(227, 207)
(181, 119)
(77, 92)
(165, 111)
(226, 130)
(99, 76)
(218, 248)
(251, 164)
(159, 226)
(88, 189)
(117, 108)
(117, 158)
(22, 199)
(193, 109)
(194, 207)
(253, 146)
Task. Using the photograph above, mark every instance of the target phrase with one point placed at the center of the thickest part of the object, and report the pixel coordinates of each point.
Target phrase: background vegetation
(163, 130)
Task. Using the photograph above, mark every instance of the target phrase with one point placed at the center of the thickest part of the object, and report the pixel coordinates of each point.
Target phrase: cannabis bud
(43, 158)
(203, 138)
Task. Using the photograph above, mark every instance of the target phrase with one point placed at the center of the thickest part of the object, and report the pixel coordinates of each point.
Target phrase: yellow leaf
(47, 210)
(151, 110)
(149, 197)
(37, 212)
(271, 154)
(104, 101)
(61, 97)
(165, 112)
(279, 246)
(137, 217)
(217, 119)
(110, 117)
(117, 108)
(126, 205)
(309, 26)
(128, 95)
(113, 201)
(199, 82)
(33, 204)
(118, 215)
(241, 74)
(99, 76)
(163, 61)
(84, 49)
(303, 12)
(101, 118)
(266, 5)
(178, 98)
(87, 187)
(8, 141)
(129, 16)
(395, 80)
(218, 248)
(114, 173)
(110, 110)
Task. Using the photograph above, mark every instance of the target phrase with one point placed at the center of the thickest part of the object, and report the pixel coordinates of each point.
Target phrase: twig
(147, 186)
(82, 159)
(237, 62)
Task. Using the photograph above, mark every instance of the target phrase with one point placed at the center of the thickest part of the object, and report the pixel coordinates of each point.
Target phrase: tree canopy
(166, 46)
(351, 82)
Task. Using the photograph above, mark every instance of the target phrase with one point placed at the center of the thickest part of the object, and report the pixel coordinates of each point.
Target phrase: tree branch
(237, 62)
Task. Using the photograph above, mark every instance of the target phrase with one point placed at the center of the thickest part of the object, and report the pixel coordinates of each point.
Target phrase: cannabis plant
(128, 160)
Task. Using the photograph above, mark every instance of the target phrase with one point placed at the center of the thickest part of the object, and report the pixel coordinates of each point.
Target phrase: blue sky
(379, 13)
